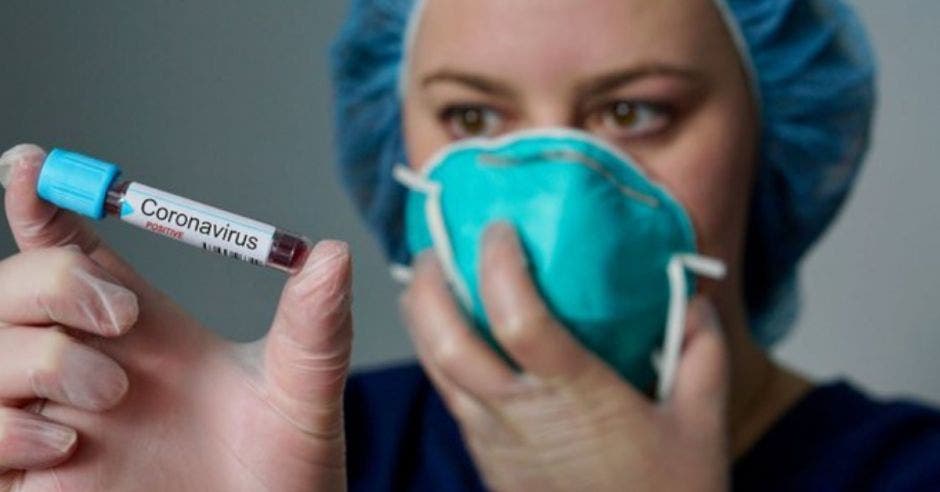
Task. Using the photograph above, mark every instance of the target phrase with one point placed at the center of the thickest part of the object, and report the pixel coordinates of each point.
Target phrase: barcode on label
(229, 253)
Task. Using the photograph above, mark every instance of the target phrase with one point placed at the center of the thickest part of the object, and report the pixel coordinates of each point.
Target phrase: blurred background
(229, 103)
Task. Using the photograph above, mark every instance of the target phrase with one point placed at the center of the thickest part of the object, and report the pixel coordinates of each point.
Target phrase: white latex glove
(567, 421)
(106, 384)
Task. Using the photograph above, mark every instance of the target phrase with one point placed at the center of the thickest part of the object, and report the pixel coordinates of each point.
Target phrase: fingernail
(499, 233)
(43, 440)
(14, 160)
(428, 267)
(118, 307)
(326, 258)
(5, 172)
(324, 254)
(501, 238)
(87, 379)
(702, 313)
(426, 260)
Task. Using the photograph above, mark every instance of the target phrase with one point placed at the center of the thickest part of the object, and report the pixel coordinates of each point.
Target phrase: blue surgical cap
(812, 75)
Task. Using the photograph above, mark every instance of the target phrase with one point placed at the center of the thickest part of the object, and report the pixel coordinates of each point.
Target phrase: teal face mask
(609, 250)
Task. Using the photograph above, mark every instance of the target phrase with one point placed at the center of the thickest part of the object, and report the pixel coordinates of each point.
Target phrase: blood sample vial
(90, 187)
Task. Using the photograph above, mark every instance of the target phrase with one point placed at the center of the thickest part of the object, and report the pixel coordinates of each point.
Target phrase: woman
(754, 115)
(105, 384)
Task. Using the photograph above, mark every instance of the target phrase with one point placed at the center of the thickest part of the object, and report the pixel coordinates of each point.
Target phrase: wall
(228, 102)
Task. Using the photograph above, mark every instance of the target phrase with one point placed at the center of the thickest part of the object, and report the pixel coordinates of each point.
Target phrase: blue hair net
(812, 73)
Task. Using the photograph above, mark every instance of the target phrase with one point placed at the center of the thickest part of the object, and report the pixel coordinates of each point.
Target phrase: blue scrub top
(400, 436)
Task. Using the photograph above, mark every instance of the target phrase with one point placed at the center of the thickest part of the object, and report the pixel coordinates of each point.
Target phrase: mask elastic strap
(678, 303)
(435, 218)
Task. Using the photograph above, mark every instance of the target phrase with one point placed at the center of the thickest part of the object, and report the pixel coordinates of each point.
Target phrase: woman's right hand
(106, 384)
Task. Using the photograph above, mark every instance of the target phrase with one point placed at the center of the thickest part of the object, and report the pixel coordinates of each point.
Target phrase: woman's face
(660, 79)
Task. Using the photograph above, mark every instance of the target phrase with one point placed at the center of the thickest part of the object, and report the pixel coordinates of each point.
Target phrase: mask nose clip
(540, 155)
(571, 157)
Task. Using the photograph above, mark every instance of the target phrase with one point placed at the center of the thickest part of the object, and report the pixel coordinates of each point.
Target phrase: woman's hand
(567, 422)
(106, 384)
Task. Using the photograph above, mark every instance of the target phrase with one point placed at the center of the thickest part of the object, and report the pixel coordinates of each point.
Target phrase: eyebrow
(609, 81)
(476, 82)
(593, 85)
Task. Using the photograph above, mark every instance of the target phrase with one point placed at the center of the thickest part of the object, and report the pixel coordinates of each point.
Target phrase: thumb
(308, 347)
(701, 391)
(36, 223)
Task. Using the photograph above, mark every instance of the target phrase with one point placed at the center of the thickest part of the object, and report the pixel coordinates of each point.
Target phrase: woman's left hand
(567, 421)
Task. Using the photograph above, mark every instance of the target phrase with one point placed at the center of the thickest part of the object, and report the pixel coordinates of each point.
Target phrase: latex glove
(106, 384)
(567, 421)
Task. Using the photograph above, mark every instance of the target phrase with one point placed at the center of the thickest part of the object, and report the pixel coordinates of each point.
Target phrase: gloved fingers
(523, 323)
(449, 391)
(63, 286)
(439, 329)
(36, 223)
(478, 418)
(307, 353)
(700, 396)
(29, 441)
(454, 396)
(46, 363)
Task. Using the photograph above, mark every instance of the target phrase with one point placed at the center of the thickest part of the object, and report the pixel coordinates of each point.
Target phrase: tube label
(197, 224)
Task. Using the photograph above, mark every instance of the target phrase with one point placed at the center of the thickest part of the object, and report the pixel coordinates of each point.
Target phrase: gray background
(228, 102)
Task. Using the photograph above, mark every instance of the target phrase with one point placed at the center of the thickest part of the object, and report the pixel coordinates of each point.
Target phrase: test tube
(91, 187)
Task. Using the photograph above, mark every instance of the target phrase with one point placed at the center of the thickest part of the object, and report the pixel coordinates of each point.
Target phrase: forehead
(511, 36)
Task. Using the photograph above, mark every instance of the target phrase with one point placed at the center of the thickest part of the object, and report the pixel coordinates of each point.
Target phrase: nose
(548, 113)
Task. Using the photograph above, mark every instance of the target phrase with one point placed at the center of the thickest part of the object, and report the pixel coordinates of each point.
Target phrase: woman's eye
(472, 121)
(626, 119)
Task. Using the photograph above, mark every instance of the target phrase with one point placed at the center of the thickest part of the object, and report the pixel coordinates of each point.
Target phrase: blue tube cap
(76, 182)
